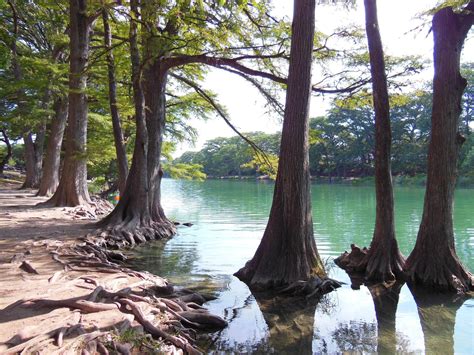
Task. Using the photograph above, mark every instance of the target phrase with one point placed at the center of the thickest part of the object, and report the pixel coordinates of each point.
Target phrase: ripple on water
(229, 220)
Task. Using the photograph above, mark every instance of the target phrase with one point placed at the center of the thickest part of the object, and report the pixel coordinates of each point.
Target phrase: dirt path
(59, 295)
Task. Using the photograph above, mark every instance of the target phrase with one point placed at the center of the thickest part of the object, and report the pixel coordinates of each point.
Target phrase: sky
(398, 27)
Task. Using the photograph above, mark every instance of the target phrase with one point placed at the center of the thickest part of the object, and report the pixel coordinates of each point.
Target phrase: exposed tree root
(159, 308)
(440, 272)
(26, 266)
(373, 265)
(314, 287)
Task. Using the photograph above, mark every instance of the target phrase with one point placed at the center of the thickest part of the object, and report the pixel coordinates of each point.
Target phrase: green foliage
(184, 171)
(266, 165)
(232, 156)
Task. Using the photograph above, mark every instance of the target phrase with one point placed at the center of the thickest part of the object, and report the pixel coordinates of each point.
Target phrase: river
(229, 218)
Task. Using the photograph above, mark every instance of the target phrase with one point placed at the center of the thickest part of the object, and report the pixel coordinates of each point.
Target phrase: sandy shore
(70, 301)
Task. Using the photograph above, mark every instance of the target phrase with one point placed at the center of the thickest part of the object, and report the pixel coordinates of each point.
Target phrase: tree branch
(260, 152)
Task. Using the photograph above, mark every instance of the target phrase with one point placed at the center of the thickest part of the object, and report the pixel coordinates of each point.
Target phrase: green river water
(229, 218)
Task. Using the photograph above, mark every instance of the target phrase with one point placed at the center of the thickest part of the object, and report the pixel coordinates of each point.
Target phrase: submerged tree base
(375, 265)
(440, 273)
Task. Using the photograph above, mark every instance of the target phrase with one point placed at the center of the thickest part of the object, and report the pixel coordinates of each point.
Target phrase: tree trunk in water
(8, 156)
(132, 219)
(433, 262)
(50, 178)
(384, 261)
(155, 83)
(288, 252)
(72, 188)
(116, 124)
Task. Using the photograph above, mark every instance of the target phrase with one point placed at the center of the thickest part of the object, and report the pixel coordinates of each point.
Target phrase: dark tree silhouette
(433, 262)
(9, 153)
(287, 252)
(383, 261)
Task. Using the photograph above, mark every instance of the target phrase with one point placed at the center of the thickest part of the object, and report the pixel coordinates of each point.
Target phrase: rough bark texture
(72, 188)
(433, 262)
(155, 98)
(383, 261)
(8, 156)
(116, 124)
(287, 252)
(132, 218)
(50, 179)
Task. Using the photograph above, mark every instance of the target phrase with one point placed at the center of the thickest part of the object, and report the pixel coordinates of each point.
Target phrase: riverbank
(398, 180)
(59, 293)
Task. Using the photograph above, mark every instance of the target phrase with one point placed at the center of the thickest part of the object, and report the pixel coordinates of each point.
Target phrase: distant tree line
(343, 142)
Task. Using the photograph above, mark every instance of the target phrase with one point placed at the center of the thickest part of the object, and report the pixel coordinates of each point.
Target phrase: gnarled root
(314, 287)
(377, 264)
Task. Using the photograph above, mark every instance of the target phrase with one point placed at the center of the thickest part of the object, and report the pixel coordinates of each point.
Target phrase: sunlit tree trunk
(72, 188)
(287, 251)
(155, 98)
(133, 218)
(433, 262)
(50, 178)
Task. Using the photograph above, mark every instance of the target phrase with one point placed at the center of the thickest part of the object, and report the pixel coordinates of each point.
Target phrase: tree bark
(116, 124)
(384, 261)
(288, 252)
(50, 179)
(8, 156)
(72, 188)
(132, 219)
(155, 83)
(433, 262)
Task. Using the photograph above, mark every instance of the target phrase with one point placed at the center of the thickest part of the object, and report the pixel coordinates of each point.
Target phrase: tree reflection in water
(290, 322)
(437, 314)
(382, 337)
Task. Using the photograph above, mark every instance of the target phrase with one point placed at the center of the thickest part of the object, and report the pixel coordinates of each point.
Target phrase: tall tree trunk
(8, 156)
(155, 83)
(132, 218)
(116, 124)
(288, 252)
(50, 179)
(433, 262)
(384, 261)
(72, 188)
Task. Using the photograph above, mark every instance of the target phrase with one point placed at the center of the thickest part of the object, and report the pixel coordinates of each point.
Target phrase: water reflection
(437, 314)
(229, 219)
(290, 323)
